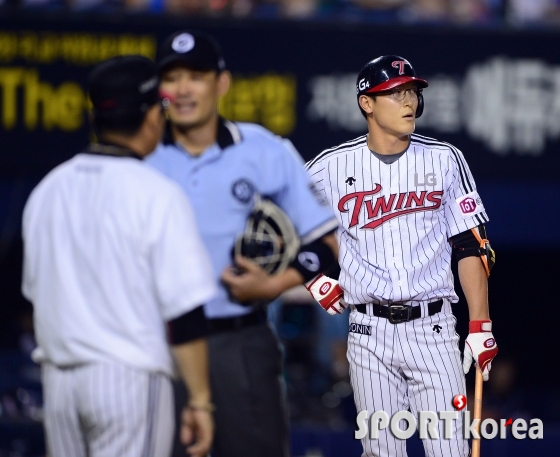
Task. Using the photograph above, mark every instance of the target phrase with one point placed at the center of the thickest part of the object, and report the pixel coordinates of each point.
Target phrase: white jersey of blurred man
(221, 165)
(114, 267)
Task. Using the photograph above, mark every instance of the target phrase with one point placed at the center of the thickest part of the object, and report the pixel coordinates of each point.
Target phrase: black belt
(397, 312)
(238, 322)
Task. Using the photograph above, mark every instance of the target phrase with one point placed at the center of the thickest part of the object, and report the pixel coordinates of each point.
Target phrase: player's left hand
(328, 293)
(197, 425)
(480, 346)
(248, 281)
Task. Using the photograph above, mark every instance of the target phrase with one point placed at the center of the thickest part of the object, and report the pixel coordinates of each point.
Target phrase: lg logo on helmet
(400, 65)
(362, 85)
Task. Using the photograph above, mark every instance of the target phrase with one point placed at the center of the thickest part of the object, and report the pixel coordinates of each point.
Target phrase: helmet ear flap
(420, 108)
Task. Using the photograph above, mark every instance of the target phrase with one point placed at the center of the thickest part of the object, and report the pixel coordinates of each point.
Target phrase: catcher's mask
(269, 239)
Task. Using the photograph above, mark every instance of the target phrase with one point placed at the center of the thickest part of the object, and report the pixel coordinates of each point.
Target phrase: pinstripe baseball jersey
(395, 219)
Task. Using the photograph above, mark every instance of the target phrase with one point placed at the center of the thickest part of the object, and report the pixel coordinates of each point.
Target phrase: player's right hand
(328, 293)
(481, 347)
(197, 425)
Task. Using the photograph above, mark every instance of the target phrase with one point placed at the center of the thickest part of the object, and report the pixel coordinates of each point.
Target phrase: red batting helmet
(388, 72)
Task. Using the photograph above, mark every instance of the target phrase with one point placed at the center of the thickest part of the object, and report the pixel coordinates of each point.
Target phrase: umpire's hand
(248, 281)
(197, 425)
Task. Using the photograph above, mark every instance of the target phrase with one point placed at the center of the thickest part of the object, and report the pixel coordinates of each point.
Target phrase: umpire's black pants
(248, 391)
(249, 394)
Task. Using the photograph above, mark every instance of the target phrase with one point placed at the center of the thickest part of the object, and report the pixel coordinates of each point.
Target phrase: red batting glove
(480, 346)
(328, 293)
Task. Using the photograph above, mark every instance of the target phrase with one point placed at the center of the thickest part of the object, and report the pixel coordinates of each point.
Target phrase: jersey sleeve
(315, 171)
(298, 196)
(182, 269)
(463, 206)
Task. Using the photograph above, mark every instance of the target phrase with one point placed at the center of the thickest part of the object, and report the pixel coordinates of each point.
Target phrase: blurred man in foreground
(114, 266)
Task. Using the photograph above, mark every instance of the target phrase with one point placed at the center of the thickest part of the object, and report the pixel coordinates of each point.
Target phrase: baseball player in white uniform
(115, 269)
(405, 203)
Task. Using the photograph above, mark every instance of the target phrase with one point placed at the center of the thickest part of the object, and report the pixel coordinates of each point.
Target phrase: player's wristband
(480, 326)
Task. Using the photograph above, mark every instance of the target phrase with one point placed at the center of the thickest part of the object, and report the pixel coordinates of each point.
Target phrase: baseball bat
(477, 411)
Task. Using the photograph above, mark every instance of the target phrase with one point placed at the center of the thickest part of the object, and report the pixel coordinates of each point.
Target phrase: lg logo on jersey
(429, 180)
(428, 422)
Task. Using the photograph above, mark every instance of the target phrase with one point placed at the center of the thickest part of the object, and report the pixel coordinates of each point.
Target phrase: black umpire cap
(123, 86)
(192, 49)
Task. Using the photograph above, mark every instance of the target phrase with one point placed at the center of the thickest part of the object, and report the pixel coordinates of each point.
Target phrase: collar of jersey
(228, 134)
(108, 149)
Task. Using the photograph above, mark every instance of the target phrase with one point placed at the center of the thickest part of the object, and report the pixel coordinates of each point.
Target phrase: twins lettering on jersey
(387, 207)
